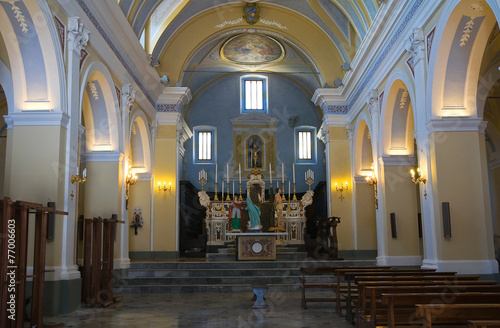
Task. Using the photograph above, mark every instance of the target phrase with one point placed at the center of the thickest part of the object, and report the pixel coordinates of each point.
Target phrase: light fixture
(77, 177)
(417, 178)
(341, 189)
(372, 181)
(131, 177)
(164, 187)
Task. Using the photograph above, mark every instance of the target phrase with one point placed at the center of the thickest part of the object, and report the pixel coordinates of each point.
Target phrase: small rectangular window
(205, 145)
(305, 149)
(253, 95)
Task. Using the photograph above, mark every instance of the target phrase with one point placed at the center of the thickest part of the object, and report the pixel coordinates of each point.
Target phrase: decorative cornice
(456, 124)
(35, 118)
(184, 133)
(398, 160)
(331, 120)
(331, 101)
(173, 99)
(167, 118)
(78, 36)
(254, 119)
(103, 156)
(144, 176)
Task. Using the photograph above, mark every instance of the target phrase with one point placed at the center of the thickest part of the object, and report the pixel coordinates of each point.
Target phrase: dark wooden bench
(400, 307)
(374, 307)
(310, 272)
(483, 324)
(346, 274)
(455, 314)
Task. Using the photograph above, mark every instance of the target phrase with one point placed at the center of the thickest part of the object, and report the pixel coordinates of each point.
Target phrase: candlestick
(294, 197)
(241, 198)
(222, 198)
(270, 177)
(215, 173)
(227, 174)
(289, 189)
(293, 168)
(227, 197)
(216, 198)
(282, 173)
(233, 189)
(239, 171)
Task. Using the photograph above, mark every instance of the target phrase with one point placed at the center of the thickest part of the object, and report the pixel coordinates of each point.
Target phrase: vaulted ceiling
(187, 39)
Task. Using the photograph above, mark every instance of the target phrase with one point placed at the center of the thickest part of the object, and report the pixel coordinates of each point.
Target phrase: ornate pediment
(254, 119)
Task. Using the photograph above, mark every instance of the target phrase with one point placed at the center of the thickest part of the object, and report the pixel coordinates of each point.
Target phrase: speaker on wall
(446, 220)
(394, 230)
(51, 221)
(419, 217)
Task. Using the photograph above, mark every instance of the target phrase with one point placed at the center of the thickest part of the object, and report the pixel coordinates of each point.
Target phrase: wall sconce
(418, 178)
(372, 181)
(165, 188)
(77, 177)
(131, 177)
(341, 189)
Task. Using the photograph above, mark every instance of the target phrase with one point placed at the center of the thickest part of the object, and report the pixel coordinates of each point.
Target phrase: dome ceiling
(195, 42)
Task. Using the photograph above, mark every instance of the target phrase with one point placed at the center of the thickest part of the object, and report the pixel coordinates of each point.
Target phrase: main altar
(290, 231)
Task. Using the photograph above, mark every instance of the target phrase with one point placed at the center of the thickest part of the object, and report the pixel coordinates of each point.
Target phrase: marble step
(159, 273)
(232, 264)
(232, 250)
(279, 256)
(220, 280)
(147, 289)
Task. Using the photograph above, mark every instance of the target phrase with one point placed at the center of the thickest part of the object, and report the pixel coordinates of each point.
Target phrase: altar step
(283, 253)
(164, 277)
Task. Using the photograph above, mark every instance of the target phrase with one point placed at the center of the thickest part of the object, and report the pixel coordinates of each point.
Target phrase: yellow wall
(401, 199)
(457, 168)
(366, 220)
(164, 201)
(102, 189)
(140, 195)
(340, 172)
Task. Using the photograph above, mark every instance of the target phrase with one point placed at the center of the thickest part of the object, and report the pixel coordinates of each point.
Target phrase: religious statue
(253, 202)
(278, 205)
(254, 153)
(235, 214)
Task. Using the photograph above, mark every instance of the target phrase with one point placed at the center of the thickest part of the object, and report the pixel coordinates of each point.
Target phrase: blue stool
(259, 289)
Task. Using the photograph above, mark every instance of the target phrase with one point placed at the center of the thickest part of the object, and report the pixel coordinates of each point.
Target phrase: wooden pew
(351, 272)
(309, 272)
(455, 314)
(401, 306)
(362, 305)
(390, 274)
(483, 324)
(375, 299)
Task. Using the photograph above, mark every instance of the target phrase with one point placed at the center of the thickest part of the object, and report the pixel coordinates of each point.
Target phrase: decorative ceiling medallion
(251, 11)
(252, 49)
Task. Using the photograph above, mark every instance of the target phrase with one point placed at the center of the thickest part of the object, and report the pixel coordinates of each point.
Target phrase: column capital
(456, 124)
(184, 133)
(37, 118)
(128, 97)
(373, 104)
(78, 36)
(415, 45)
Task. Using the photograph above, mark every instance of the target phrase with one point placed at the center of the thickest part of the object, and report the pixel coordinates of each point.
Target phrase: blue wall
(217, 104)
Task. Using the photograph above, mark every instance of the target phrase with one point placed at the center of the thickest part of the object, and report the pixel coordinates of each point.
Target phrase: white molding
(123, 263)
(359, 179)
(468, 266)
(103, 156)
(399, 260)
(335, 120)
(165, 118)
(455, 124)
(144, 177)
(175, 95)
(328, 96)
(57, 273)
(397, 160)
(36, 118)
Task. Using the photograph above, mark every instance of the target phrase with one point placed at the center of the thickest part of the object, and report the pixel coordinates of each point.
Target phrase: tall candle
(288, 189)
(215, 172)
(222, 190)
(227, 174)
(293, 167)
(233, 188)
(270, 176)
(239, 170)
(282, 173)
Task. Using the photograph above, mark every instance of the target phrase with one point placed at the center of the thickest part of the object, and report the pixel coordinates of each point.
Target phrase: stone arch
(363, 147)
(140, 148)
(31, 50)
(397, 121)
(461, 36)
(7, 84)
(100, 110)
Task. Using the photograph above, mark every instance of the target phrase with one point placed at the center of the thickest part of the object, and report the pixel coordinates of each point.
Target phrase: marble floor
(176, 310)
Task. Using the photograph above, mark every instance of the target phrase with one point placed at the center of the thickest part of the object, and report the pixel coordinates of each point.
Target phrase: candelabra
(79, 179)
(215, 197)
(294, 197)
(341, 189)
(372, 180)
(202, 178)
(227, 197)
(418, 178)
(309, 177)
